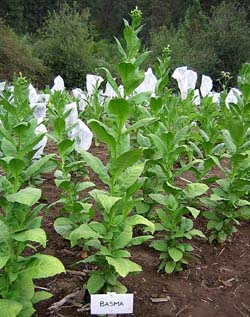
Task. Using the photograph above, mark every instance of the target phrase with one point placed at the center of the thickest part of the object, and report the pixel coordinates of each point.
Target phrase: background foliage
(76, 37)
(16, 56)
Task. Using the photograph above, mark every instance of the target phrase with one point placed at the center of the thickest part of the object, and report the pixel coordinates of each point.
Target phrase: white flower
(40, 145)
(93, 82)
(232, 97)
(72, 116)
(186, 80)
(82, 136)
(148, 84)
(81, 96)
(58, 84)
(206, 85)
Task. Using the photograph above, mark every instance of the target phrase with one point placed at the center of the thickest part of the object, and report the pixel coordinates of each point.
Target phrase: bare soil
(216, 282)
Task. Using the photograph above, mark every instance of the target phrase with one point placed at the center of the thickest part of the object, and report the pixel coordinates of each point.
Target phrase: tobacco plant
(176, 227)
(229, 201)
(19, 220)
(21, 136)
(113, 234)
(206, 140)
(69, 136)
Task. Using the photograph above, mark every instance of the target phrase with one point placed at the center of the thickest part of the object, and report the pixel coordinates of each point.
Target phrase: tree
(67, 45)
(209, 46)
(229, 34)
(16, 57)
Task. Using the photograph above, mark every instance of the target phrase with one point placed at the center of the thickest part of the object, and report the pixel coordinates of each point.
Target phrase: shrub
(16, 57)
(67, 45)
(229, 34)
(208, 45)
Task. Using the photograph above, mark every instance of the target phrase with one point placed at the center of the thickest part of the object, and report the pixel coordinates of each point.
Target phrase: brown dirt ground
(216, 283)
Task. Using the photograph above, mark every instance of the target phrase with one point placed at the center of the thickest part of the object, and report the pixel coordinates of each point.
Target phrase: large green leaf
(165, 222)
(27, 196)
(123, 238)
(16, 166)
(159, 245)
(141, 58)
(139, 98)
(195, 232)
(84, 185)
(123, 266)
(59, 125)
(125, 160)
(107, 201)
(243, 213)
(95, 283)
(181, 135)
(229, 142)
(121, 254)
(141, 239)
(40, 296)
(103, 134)
(169, 267)
(140, 220)
(42, 266)
(130, 176)
(155, 104)
(111, 81)
(141, 123)
(194, 190)
(28, 309)
(65, 147)
(4, 232)
(36, 235)
(98, 227)
(120, 49)
(82, 232)
(38, 165)
(22, 289)
(159, 144)
(4, 259)
(33, 141)
(10, 308)
(195, 212)
(120, 108)
(4, 133)
(159, 198)
(96, 165)
(236, 130)
(8, 148)
(175, 254)
(22, 128)
(64, 226)
(131, 77)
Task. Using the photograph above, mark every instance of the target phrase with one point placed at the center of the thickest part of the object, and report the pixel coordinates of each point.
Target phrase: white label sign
(112, 303)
